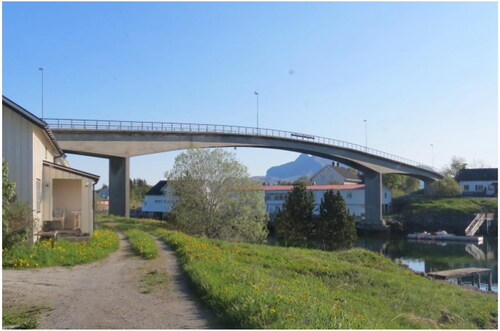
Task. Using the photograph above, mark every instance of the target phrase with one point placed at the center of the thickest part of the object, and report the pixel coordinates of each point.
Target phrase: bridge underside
(120, 146)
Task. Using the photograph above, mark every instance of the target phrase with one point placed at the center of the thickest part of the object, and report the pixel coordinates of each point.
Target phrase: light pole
(257, 94)
(366, 136)
(432, 155)
(41, 69)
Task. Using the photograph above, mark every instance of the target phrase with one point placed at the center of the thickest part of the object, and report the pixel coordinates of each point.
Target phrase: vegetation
(20, 320)
(154, 280)
(400, 184)
(446, 187)
(216, 198)
(16, 215)
(142, 244)
(263, 287)
(456, 164)
(336, 227)
(64, 253)
(138, 189)
(294, 224)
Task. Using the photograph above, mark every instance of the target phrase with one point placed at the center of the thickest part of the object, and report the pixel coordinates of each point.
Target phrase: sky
(420, 74)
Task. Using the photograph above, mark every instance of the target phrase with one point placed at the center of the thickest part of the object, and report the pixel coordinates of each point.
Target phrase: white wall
(477, 187)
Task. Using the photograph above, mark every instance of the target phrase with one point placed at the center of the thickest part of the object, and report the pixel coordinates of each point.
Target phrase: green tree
(400, 184)
(294, 223)
(138, 189)
(16, 215)
(336, 227)
(457, 163)
(446, 187)
(216, 198)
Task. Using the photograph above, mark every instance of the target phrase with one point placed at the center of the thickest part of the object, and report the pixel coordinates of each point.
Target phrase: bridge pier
(119, 186)
(373, 201)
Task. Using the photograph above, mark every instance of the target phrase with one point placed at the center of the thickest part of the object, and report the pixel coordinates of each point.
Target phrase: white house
(331, 174)
(353, 195)
(158, 201)
(483, 181)
(61, 197)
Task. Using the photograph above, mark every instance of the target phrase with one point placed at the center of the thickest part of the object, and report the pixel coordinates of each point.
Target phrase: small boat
(443, 235)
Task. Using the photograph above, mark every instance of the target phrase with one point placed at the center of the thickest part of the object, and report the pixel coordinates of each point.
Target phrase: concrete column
(119, 186)
(373, 199)
(427, 184)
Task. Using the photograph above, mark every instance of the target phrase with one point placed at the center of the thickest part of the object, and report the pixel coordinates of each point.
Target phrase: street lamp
(257, 94)
(432, 155)
(41, 69)
(366, 136)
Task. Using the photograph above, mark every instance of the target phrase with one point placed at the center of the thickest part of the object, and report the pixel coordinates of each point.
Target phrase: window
(349, 195)
(479, 187)
(466, 188)
(38, 195)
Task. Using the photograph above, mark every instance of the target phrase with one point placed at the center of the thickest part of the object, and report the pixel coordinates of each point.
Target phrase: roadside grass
(142, 244)
(26, 319)
(64, 253)
(259, 286)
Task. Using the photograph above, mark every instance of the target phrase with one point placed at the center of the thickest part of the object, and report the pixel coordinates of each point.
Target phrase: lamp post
(257, 94)
(366, 136)
(432, 155)
(41, 69)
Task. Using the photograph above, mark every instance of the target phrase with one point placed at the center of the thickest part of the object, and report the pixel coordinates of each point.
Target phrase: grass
(154, 280)
(259, 286)
(142, 244)
(27, 319)
(64, 253)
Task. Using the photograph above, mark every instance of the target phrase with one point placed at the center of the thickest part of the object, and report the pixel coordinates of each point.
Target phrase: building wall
(157, 203)
(478, 187)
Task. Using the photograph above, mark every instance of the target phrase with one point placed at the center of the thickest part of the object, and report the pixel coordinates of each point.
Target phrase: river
(426, 256)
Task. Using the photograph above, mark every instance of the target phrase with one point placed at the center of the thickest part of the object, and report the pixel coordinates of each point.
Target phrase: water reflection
(427, 256)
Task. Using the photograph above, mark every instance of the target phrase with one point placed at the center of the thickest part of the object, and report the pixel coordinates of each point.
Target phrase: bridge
(120, 140)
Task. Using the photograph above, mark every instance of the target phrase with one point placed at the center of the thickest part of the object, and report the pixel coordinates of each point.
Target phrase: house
(331, 174)
(478, 182)
(353, 195)
(158, 201)
(61, 197)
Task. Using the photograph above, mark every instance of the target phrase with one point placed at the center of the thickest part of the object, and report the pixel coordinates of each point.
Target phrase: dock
(445, 237)
(464, 272)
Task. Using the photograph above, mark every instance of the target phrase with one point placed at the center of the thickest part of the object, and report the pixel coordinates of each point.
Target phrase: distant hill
(304, 165)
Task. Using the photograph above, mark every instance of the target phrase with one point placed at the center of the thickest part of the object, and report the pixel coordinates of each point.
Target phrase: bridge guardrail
(116, 125)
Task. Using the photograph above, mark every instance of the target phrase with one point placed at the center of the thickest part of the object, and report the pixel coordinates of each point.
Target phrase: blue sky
(419, 73)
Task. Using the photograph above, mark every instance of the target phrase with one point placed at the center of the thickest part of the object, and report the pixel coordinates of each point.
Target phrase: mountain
(304, 165)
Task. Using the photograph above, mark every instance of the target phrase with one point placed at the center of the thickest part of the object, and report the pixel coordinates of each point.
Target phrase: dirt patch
(107, 294)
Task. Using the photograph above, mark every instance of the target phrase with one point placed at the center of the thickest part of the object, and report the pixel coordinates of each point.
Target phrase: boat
(443, 235)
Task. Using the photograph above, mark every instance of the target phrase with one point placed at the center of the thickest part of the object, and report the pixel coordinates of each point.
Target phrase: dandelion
(272, 310)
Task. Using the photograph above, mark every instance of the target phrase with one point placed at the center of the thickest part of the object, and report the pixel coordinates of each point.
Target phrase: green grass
(142, 244)
(259, 286)
(154, 280)
(64, 253)
(26, 319)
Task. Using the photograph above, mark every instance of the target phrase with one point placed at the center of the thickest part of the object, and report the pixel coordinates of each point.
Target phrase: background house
(331, 174)
(61, 197)
(482, 181)
(158, 201)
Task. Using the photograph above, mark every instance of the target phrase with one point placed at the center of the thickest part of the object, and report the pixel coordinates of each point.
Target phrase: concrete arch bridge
(120, 140)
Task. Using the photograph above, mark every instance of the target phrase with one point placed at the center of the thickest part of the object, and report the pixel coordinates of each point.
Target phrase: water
(423, 256)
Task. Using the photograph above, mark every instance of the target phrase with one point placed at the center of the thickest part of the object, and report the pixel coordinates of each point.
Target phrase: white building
(353, 195)
(479, 182)
(61, 197)
(158, 201)
(331, 174)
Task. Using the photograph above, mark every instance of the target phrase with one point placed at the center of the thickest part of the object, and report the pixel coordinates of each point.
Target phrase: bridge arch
(120, 140)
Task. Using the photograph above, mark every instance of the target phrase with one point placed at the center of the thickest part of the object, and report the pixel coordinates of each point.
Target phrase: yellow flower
(272, 310)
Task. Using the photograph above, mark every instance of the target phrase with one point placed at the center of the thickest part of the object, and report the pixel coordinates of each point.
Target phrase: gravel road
(107, 294)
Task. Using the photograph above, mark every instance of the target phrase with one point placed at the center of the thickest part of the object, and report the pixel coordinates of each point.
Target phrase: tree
(457, 164)
(16, 215)
(400, 184)
(216, 198)
(294, 224)
(446, 187)
(336, 227)
(138, 189)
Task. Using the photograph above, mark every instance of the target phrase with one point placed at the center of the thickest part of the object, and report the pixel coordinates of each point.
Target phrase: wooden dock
(465, 272)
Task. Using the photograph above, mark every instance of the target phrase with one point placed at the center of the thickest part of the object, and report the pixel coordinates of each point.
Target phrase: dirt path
(108, 295)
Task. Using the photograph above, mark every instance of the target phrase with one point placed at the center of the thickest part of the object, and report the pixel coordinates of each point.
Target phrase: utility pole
(257, 94)
(432, 155)
(366, 136)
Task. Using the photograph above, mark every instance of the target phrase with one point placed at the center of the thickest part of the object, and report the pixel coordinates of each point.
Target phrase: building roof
(348, 175)
(158, 188)
(33, 119)
(315, 187)
(95, 178)
(477, 174)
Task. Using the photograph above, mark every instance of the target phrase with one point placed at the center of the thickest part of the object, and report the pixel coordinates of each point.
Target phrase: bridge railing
(115, 125)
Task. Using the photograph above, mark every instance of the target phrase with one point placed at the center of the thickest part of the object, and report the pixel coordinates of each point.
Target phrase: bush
(446, 187)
